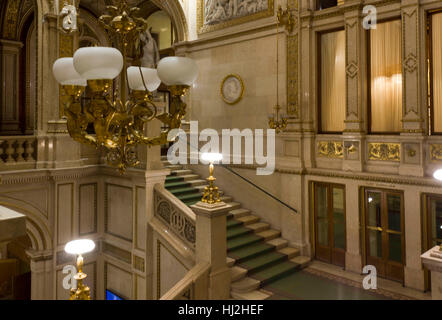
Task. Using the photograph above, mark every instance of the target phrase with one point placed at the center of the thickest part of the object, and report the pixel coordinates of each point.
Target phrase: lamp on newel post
(79, 248)
(211, 193)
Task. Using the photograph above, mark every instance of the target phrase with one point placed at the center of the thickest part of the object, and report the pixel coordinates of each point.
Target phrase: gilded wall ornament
(436, 152)
(214, 15)
(331, 149)
(232, 89)
(384, 151)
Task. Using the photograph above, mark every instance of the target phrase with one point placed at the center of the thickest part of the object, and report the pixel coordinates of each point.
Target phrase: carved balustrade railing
(178, 217)
(17, 152)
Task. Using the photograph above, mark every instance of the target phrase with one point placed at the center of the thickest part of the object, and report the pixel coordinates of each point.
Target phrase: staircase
(256, 254)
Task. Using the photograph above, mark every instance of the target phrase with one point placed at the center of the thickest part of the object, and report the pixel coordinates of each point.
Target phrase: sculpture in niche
(216, 11)
(147, 49)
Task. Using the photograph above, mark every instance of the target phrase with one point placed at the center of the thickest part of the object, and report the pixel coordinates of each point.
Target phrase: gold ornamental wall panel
(436, 152)
(384, 152)
(331, 149)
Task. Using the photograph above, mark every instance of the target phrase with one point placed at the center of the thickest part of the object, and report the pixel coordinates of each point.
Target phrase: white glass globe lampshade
(177, 71)
(438, 174)
(65, 73)
(150, 76)
(98, 63)
(212, 157)
(79, 246)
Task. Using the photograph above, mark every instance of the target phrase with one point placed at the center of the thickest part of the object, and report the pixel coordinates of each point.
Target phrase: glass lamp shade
(98, 63)
(177, 71)
(65, 73)
(150, 76)
(79, 246)
(438, 174)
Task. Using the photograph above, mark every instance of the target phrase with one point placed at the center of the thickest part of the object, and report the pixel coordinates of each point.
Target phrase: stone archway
(41, 251)
(176, 13)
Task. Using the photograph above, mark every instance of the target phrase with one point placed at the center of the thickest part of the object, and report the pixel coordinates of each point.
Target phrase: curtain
(333, 81)
(386, 77)
(436, 26)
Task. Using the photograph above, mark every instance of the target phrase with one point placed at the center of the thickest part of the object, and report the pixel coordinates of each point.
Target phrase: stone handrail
(16, 151)
(193, 286)
(175, 214)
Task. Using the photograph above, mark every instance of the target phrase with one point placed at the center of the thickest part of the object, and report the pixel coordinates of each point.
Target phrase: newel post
(211, 246)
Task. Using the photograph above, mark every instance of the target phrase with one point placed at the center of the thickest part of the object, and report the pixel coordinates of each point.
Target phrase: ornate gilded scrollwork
(384, 151)
(331, 149)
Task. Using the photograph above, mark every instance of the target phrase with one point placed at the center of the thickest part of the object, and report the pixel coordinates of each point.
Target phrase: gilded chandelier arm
(172, 119)
(77, 121)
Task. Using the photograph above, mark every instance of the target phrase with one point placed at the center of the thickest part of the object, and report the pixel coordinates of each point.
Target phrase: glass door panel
(322, 215)
(435, 222)
(338, 218)
(384, 232)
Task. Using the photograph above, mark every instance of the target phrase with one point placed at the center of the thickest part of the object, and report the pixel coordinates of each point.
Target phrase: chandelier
(119, 116)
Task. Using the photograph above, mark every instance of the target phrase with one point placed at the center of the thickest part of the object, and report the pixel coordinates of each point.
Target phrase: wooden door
(330, 229)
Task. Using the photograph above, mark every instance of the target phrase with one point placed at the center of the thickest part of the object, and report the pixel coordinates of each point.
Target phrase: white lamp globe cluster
(105, 63)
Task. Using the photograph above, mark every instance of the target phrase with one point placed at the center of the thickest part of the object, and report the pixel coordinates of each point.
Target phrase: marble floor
(321, 281)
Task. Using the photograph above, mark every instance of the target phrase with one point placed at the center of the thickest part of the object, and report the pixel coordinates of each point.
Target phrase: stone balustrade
(18, 152)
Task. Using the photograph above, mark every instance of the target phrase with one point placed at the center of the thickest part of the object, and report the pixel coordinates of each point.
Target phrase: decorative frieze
(331, 149)
(384, 151)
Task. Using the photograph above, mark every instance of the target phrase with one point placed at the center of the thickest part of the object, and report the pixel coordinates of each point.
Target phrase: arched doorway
(28, 258)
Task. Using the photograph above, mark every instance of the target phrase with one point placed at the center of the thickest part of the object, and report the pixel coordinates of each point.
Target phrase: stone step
(238, 213)
(278, 243)
(237, 232)
(275, 272)
(250, 219)
(262, 261)
(173, 167)
(230, 262)
(259, 227)
(301, 261)
(245, 285)
(269, 234)
(234, 205)
(182, 172)
(225, 199)
(197, 183)
(232, 223)
(290, 252)
(252, 295)
(190, 177)
(237, 273)
(242, 241)
(243, 254)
